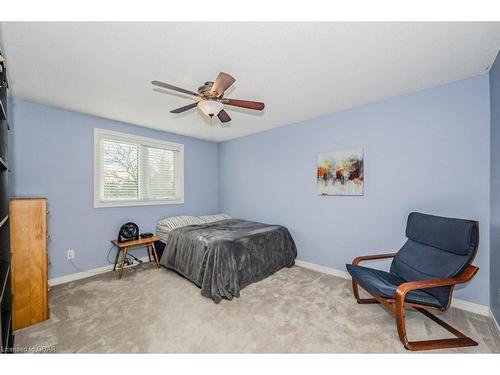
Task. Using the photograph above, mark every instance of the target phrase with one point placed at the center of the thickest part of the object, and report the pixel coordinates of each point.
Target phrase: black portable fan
(128, 232)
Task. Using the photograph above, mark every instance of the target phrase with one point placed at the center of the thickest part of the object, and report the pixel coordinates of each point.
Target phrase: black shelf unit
(6, 297)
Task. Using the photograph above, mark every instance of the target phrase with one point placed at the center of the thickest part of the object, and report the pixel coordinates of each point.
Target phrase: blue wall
(51, 153)
(428, 151)
(495, 189)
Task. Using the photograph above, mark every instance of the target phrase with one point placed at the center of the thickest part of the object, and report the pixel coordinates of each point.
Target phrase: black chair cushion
(437, 247)
(457, 236)
(416, 261)
(385, 284)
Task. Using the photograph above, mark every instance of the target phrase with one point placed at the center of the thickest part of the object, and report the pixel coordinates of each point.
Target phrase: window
(131, 170)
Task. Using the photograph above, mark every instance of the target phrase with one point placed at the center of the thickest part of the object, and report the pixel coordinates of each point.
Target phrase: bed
(222, 255)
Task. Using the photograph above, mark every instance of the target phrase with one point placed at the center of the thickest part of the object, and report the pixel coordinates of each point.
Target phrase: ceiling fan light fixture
(210, 107)
(210, 98)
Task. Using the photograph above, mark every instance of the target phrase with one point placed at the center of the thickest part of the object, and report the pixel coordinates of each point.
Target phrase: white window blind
(159, 172)
(134, 170)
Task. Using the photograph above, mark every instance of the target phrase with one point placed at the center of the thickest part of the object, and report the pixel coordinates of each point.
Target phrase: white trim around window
(102, 135)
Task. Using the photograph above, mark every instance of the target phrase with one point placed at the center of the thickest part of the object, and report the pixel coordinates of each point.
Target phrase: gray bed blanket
(225, 256)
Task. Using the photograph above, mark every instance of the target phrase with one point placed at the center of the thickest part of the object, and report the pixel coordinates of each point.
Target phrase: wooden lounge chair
(437, 256)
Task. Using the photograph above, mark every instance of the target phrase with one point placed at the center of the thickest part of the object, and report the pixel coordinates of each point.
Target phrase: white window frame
(100, 134)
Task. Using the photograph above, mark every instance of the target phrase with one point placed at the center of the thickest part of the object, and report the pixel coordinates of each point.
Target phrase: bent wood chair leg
(459, 342)
(362, 301)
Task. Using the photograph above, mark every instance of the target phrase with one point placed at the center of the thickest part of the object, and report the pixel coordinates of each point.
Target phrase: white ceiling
(300, 70)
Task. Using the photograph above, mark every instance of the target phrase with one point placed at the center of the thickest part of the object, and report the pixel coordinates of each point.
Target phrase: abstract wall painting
(341, 173)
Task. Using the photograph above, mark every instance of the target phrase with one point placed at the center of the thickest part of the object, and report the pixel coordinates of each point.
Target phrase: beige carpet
(294, 311)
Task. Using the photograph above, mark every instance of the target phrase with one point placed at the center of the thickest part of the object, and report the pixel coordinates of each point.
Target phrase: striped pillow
(164, 226)
(212, 218)
(162, 232)
(179, 221)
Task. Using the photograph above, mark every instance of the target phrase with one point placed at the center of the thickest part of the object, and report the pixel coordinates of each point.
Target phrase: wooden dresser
(28, 243)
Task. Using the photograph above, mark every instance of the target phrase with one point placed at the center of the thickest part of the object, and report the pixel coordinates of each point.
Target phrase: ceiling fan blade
(223, 116)
(222, 83)
(185, 108)
(244, 104)
(175, 88)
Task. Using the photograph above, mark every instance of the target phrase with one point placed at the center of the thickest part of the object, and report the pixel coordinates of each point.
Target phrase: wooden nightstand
(123, 248)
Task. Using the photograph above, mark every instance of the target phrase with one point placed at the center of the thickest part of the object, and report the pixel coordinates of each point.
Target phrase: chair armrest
(372, 257)
(404, 288)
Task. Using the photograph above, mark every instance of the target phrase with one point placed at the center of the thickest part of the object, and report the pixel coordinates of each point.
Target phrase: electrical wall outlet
(71, 254)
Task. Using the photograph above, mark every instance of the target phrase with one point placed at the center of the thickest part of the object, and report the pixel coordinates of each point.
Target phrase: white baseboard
(495, 323)
(323, 269)
(83, 275)
(471, 306)
(455, 302)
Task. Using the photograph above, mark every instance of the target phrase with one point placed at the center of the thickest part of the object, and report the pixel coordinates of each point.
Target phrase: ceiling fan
(210, 98)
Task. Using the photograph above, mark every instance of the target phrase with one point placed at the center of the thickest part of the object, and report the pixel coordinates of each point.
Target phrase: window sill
(100, 204)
